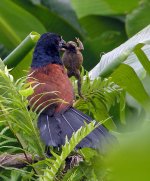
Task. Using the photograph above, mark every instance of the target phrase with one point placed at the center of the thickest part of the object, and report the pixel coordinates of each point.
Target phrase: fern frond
(100, 95)
(53, 167)
(14, 113)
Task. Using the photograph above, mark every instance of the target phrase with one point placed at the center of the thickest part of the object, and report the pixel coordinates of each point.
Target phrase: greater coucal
(53, 97)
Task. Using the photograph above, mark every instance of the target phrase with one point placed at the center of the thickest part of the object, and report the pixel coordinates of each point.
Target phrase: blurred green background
(102, 25)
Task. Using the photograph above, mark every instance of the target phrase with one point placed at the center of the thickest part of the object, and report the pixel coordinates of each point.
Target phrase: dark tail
(53, 130)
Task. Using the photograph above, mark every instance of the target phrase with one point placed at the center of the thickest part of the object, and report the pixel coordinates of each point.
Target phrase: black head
(47, 50)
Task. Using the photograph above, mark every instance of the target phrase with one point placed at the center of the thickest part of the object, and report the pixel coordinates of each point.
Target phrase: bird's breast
(52, 88)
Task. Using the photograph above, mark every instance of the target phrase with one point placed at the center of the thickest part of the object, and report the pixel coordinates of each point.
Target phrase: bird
(53, 97)
(73, 59)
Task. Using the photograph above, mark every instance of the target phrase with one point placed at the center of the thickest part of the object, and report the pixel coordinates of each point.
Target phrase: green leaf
(49, 174)
(105, 35)
(52, 20)
(142, 58)
(99, 95)
(64, 10)
(124, 53)
(97, 7)
(14, 113)
(103, 7)
(123, 7)
(130, 160)
(20, 58)
(96, 47)
(22, 50)
(26, 92)
(138, 19)
(15, 24)
(126, 78)
(2, 66)
(101, 25)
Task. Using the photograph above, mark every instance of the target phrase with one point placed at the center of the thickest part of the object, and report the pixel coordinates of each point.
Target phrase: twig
(18, 160)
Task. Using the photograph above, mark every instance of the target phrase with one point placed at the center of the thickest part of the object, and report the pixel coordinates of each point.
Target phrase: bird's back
(52, 88)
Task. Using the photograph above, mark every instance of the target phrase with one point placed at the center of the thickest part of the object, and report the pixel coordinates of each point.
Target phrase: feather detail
(54, 129)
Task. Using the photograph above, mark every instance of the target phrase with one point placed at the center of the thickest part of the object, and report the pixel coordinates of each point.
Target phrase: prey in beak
(62, 44)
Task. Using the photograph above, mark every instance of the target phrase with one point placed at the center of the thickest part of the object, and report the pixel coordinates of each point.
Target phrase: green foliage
(18, 124)
(53, 166)
(142, 57)
(125, 77)
(130, 161)
(20, 57)
(15, 115)
(94, 23)
(123, 54)
(64, 17)
(102, 26)
(99, 95)
(103, 7)
(12, 32)
(138, 18)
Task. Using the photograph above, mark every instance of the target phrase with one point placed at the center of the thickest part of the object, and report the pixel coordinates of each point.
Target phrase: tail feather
(54, 129)
(49, 130)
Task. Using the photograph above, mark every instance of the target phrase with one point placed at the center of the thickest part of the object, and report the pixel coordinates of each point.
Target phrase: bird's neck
(43, 57)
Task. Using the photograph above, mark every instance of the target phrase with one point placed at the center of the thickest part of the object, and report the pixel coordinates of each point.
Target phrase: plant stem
(22, 50)
(24, 152)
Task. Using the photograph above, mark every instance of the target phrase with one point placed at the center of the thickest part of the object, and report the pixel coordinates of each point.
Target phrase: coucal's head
(47, 50)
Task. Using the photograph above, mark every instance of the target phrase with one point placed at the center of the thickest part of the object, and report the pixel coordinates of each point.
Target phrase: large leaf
(22, 50)
(123, 7)
(96, 25)
(126, 78)
(64, 10)
(103, 35)
(103, 7)
(16, 24)
(130, 160)
(51, 19)
(142, 58)
(97, 7)
(20, 58)
(138, 19)
(124, 53)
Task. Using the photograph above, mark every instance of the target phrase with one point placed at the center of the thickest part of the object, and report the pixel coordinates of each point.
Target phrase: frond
(15, 115)
(99, 96)
(53, 166)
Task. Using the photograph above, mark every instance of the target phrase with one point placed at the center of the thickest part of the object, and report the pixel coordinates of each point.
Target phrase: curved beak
(62, 44)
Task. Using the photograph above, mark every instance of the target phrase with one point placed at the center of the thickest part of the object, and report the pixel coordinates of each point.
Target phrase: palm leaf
(122, 54)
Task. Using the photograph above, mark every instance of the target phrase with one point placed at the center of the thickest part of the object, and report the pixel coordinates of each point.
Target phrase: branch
(17, 160)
